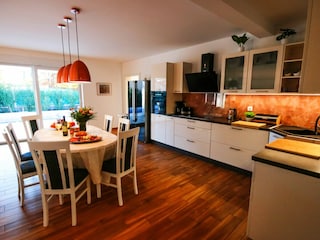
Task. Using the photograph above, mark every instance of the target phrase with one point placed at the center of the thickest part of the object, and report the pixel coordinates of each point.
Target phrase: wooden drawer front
(250, 139)
(197, 147)
(192, 133)
(232, 155)
(193, 123)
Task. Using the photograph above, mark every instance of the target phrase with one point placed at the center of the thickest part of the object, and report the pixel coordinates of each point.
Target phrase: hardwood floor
(180, 197)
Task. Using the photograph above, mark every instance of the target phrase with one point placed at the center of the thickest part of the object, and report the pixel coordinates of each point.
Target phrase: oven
(158, 102)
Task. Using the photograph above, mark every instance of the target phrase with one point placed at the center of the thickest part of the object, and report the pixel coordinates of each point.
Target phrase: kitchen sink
(300, 131)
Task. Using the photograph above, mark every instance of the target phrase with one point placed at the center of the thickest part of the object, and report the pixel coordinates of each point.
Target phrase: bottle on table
(64, 127)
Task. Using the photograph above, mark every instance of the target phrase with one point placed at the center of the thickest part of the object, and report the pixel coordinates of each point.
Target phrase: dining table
(86, 154)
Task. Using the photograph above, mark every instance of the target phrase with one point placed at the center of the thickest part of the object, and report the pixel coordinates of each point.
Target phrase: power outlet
(249, 108)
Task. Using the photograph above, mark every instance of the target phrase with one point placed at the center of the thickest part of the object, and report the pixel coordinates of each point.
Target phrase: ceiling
(124, 30)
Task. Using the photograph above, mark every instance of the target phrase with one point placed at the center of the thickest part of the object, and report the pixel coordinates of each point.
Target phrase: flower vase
(82, 125)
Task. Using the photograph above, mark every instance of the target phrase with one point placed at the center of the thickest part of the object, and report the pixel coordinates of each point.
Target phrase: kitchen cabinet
(179, 79)
(234, 72)
(256, 70)
(291, 68)
(264, 70)
(193, 136)
(162, 80)
(158, 123)
(236, 145)
(283, 204)
(162, 129)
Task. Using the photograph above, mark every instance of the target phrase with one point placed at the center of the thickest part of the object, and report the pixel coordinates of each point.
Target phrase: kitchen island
(285, 197)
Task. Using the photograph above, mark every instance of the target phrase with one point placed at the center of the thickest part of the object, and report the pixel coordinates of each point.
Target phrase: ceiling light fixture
(78, 72)
(66, 70)
(59, 75)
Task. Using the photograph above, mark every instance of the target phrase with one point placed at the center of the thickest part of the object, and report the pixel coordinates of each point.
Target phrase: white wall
(100, 70)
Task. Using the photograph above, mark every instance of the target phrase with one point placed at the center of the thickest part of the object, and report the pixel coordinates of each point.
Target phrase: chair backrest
(13, 150)
(14, 140)
(31, 124)
(127, 144)
(107, 123)
(123, 125)
(53, 173)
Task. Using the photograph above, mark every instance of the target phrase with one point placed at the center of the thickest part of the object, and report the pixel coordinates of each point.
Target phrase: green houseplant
(286, 32)
(249, 115)
(240, 40)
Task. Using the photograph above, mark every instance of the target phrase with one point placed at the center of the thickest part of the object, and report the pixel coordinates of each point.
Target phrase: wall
(100, 70)
(297, 110)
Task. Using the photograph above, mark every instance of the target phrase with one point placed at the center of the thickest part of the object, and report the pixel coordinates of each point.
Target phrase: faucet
(316, 126)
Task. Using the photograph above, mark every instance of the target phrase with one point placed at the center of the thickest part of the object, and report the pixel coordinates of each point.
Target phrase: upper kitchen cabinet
(179, 79)
(161, 76)
(264, 70)
(310, 66)
(234, 72)
(291, 69)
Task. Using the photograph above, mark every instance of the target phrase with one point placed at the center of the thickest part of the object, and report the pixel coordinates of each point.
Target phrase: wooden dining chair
(24, 156)
(124, 164)
(123, 125)
(31, 124)
(24, 169)
(107, 123)
(58, 177)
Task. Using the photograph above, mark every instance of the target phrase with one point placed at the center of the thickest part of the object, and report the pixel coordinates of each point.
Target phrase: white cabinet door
(264, 71)
(234, 72)
(158, 124)
(159, 77)
(169, 139)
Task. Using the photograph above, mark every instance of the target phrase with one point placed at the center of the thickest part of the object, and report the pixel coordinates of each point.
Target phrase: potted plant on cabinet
(249, 115)
(286, 32)
(240, 40)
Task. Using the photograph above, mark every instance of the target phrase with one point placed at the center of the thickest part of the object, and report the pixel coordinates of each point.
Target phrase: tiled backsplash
(296, 110)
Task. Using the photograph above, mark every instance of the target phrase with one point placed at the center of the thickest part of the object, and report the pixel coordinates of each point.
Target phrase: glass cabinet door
(234, 72)
(265, 70)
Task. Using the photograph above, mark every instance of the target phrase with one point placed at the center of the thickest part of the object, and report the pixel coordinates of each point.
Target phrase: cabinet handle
(192, 128)
(190, 121)
(236, 149)
(190, 141)
(261, 91)
(234, 128)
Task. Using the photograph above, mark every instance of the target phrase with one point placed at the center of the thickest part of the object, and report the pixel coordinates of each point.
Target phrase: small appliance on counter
(232, 114)
(179, 106)
(186, 111)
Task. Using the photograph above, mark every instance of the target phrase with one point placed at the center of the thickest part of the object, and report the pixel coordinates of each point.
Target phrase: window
(25, 90)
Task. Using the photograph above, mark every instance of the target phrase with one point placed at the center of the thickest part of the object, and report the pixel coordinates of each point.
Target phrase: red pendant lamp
(78, 72)
(59, 75)
(66, 69)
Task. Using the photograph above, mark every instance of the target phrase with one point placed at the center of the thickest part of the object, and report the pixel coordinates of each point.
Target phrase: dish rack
(269, 119)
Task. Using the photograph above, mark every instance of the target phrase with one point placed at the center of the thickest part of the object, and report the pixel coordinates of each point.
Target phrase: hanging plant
(286, 32)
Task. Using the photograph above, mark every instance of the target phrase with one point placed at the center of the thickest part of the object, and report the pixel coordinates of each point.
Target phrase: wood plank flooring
(180, 197)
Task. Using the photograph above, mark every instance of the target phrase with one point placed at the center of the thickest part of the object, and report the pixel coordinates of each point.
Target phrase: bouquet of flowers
(83, 114)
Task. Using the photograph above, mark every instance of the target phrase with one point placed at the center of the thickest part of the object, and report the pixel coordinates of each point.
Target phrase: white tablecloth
(88, 155)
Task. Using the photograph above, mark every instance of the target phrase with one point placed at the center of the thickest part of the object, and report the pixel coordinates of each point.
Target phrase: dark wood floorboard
(180, 197)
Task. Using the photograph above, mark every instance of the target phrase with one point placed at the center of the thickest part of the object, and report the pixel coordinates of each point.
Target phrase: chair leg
(119, 191)
(135, 184)
(21, 191)
(98, 186)
(45, 210)
(73, 209)
(89, 190)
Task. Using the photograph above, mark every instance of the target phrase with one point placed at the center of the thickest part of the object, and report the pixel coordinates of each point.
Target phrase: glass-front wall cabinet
(264, 71)
(234, 73)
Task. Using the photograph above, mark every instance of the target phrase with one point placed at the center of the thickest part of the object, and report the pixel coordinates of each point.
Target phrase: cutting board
(248, 124)
(305, 149)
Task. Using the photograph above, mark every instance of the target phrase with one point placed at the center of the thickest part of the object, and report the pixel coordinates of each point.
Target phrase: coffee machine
(179, 107)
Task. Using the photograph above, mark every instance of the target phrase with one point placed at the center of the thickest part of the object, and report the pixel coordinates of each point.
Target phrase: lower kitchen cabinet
(236, 145)
(162, 129)
(192, 136)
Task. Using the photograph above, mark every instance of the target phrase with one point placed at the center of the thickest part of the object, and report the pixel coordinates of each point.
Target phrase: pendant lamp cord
(75, 18)
(68, 20)
(61, 30)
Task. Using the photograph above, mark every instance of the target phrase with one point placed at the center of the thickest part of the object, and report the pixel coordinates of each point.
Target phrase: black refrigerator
(139, 107)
